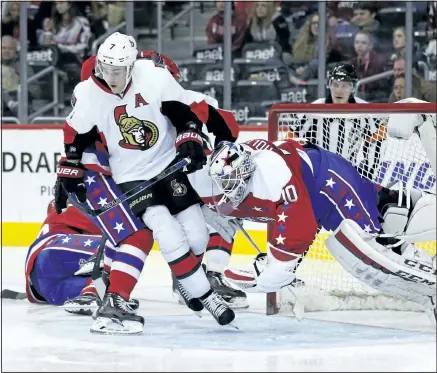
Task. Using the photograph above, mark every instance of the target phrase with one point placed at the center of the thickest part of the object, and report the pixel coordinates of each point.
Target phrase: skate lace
(183, 292)
(215, 304)
(122, 304)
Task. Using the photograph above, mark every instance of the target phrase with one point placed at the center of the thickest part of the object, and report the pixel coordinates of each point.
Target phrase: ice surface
(46, 338)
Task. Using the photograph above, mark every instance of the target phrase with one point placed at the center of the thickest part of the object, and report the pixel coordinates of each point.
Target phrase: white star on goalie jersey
(90, 180)
(282, 217)
(280, 240)
(349, 204)
(66, 239)
(88, 242)
(119, 227)
(257, 208)
(367, 228)
(102, 202)
(330, 183)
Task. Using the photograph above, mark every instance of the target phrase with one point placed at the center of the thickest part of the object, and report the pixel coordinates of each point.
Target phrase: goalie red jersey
(297, 188)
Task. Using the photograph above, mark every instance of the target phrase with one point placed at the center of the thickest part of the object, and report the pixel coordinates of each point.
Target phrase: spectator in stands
(364, 17)
(432, 20)
(367, 63)
(296, 12)
(268, 25)
(399, 45)
(305, 48)
(10, 66)
(11, 19)
(70, 33)
(215, 27)
(421, 89)
(430, 53)
(104, 15)
(11, 23)
(398, 89)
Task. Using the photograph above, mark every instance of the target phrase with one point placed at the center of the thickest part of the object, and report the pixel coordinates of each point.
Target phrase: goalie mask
(230, 167)
(115, 61)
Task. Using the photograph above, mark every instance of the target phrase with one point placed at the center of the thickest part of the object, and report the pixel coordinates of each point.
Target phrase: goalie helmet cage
(357, 132)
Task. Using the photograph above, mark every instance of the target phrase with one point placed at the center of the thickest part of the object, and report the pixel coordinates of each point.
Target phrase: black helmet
(345, 72)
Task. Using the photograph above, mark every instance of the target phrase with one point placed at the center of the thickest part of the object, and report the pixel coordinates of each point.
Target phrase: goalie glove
(267, 274)
(222, 224)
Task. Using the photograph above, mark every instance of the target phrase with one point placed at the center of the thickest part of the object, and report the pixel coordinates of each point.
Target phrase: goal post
(358, 133)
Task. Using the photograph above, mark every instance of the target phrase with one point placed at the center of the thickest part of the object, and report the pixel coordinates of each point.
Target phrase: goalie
(303, 188)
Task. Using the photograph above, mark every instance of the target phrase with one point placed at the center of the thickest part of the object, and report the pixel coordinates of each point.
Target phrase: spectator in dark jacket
(364, 17)
(267, 25)
(215, 27)
(367, 63)
(421, 89)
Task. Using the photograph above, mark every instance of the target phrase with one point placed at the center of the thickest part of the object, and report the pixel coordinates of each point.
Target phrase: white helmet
(115, 61)
(230, 167)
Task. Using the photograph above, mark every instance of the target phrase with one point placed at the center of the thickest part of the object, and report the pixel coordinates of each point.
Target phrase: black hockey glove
(189, 144)
(70, 178)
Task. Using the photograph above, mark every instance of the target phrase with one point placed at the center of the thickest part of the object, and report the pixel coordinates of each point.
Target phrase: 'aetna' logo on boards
(421, 173)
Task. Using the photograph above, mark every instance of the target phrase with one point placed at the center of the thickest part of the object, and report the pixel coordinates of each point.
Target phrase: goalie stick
(272, 308)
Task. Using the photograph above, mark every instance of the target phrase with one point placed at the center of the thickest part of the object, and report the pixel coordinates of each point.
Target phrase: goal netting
(358, 133)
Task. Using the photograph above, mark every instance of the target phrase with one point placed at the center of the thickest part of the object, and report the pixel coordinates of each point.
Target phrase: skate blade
(182, 303)
(107, 326)
(198, 314)
(233, 324)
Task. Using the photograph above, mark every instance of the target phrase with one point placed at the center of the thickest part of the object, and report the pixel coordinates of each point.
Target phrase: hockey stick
(239, 224)
(12, 294)
(130, 193)
(96, 273)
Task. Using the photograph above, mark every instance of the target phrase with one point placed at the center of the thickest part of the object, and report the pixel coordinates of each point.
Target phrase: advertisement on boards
(28, 163)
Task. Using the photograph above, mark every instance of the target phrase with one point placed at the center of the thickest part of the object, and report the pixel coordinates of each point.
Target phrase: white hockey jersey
(140, 139)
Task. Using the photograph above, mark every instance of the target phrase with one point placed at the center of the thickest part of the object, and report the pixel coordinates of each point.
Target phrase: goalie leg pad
(421, 225)
(380, 268)
(412, 224)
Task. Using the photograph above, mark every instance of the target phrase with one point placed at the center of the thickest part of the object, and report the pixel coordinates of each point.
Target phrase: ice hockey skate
(115, 316)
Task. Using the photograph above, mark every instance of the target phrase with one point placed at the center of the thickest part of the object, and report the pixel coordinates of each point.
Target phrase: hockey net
(358, 133)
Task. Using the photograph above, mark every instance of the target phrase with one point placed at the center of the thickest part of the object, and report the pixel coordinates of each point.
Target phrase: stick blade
(11, 294)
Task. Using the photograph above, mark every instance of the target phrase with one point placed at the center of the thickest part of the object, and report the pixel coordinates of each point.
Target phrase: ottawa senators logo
(137, 134)
(179, 189)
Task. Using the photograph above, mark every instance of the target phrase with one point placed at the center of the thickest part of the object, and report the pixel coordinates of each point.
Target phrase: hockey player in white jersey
(135, 109)
(219, 125)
